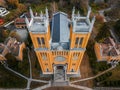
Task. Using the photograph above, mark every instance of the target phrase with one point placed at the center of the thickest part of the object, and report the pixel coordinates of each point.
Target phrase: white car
(3, 11)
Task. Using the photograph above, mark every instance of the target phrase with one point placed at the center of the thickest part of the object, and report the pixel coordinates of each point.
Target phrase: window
(43, 41)
(72, 70)
(81, 40)
(39, 41)
(78, 41)
(47, 70)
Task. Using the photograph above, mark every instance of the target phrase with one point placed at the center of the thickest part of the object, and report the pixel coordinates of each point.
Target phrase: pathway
(94, 76)
(30, 79)
(106, 88)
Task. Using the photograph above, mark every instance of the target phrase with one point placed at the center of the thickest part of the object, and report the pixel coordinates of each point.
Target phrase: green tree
(117, 27)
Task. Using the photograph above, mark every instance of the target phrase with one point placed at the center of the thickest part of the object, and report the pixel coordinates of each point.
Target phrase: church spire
(31, 13)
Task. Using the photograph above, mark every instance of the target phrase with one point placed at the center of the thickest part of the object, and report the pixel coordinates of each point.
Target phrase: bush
(103, 33)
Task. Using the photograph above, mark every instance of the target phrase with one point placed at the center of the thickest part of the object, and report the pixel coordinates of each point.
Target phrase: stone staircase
(59, 75)
(60, 78)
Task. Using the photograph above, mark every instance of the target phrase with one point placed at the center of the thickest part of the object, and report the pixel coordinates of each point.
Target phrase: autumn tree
(117, 28)
(13, 3)
(114, 12)
(99, 18)
(53, 7)
(3, 3)
(80, 4)
(14, 34)
(22, 7)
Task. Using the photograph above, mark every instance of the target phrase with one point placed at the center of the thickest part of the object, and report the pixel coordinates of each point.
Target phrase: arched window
(78, 41)
(43, 41)
(38, 40)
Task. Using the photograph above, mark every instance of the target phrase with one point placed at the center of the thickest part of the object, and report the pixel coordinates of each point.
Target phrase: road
(80, 87)
(106, 88)
(94, 76)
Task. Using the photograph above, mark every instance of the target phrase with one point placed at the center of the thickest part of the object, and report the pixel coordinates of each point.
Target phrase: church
(60, 42)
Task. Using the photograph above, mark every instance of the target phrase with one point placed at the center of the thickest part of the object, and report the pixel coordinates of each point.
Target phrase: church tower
(80, 31)
(39, 30)
(60, 43)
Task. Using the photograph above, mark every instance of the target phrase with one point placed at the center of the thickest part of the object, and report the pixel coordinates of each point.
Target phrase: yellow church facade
(60, 42)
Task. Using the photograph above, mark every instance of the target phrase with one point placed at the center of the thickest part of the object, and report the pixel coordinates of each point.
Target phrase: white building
(3, 11)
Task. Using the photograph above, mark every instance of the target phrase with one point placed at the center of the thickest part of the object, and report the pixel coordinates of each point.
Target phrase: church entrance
(60, 67)
(59, 73)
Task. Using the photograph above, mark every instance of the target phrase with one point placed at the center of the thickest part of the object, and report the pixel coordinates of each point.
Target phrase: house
(20, 22)
(3, 11)
(2, 52)
(11, 45)
(108, 50)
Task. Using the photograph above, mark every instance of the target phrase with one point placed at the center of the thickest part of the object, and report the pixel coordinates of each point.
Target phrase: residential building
(108, 50)
(2, 52)
(11, 45)
(20, 22)
(3, 11)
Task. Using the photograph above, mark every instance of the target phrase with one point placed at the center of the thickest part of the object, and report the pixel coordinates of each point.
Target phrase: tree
(13, 3)
(14, 34)
(3, 3)
(99, 18)
(53, 8)
(5, 33)
(103, 33)
(114, 12)
(80, 4)
(22, 7)
(117, 27)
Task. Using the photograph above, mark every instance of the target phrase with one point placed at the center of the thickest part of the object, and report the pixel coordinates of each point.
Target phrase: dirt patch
(85, 71)
(61, 88)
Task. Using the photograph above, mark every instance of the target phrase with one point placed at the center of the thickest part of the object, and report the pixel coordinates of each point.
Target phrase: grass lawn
(10, 80)
(115, 74)
(19, 66)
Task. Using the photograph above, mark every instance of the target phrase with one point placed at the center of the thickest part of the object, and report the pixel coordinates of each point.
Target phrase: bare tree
(54, 7)
(80, 4)
(3, 3)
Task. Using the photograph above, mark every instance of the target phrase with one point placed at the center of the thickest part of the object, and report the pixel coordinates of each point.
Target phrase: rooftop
(82, 24)
(109, 47)
(60, 28)
(38, 23)
(37, 26)
(3, 11)
(13, 46)
(1, 47)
